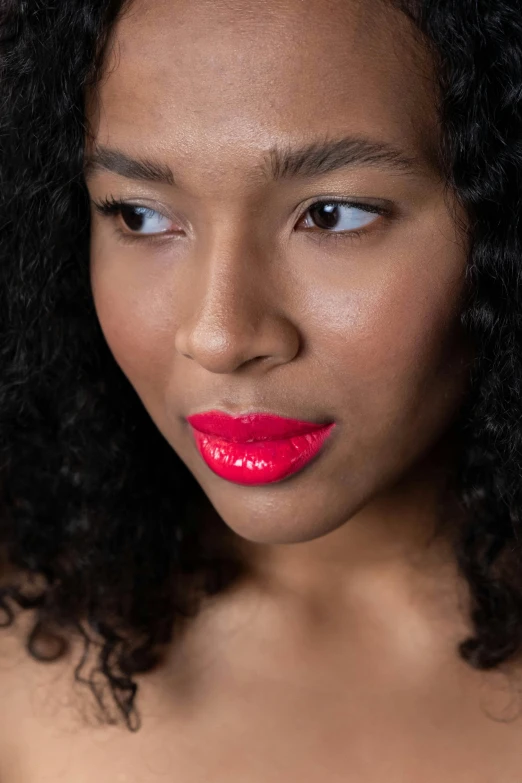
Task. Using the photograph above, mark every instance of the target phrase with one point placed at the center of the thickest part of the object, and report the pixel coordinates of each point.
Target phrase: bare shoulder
(26, 684)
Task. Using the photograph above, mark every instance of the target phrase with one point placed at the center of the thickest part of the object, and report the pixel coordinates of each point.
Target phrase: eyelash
(111, 208)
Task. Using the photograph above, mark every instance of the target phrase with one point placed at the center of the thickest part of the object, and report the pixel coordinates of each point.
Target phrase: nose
(236, 313)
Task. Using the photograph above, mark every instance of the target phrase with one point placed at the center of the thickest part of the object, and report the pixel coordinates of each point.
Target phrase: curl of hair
(97, 513)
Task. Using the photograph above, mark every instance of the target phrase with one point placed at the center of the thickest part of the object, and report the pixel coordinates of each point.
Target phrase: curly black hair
(101, 526)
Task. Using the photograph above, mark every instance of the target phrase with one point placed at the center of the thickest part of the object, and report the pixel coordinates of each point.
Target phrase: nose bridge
(235, 312)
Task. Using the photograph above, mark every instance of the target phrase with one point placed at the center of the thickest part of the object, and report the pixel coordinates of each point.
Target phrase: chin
(277, 526)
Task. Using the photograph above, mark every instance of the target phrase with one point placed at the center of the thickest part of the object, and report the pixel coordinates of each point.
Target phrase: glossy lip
(256, 449)
(249, 427)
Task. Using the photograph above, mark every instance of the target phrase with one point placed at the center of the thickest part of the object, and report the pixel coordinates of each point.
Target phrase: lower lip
(260, 462)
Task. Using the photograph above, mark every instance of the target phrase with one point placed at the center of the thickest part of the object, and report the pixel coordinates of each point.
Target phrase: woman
(261, 391)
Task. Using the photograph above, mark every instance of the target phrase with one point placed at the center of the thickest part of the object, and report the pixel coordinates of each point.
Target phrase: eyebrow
(279, 162)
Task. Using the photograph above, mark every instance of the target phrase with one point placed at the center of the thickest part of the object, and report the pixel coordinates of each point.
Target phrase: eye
(138, 220)
(143, 220)
(340, 216)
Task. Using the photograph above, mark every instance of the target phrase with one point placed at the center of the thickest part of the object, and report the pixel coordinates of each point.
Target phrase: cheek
(395, 353)
(136, 315)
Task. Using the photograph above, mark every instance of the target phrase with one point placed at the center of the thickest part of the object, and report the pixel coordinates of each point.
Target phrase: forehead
(240, 76)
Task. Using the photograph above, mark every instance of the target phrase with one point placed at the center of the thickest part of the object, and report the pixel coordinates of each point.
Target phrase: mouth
(256, 448)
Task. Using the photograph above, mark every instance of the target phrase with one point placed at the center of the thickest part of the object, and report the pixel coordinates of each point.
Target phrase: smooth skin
(335, 659)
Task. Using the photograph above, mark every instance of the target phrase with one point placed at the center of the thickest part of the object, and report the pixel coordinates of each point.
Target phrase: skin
(241, 310)
(337, 653)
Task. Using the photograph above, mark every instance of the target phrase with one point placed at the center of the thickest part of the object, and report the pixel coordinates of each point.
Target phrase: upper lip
(249, 427)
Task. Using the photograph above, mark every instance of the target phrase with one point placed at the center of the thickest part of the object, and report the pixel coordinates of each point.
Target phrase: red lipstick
(256, 448)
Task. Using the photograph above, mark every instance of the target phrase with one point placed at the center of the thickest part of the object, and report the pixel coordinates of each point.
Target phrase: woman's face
(234, 289)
